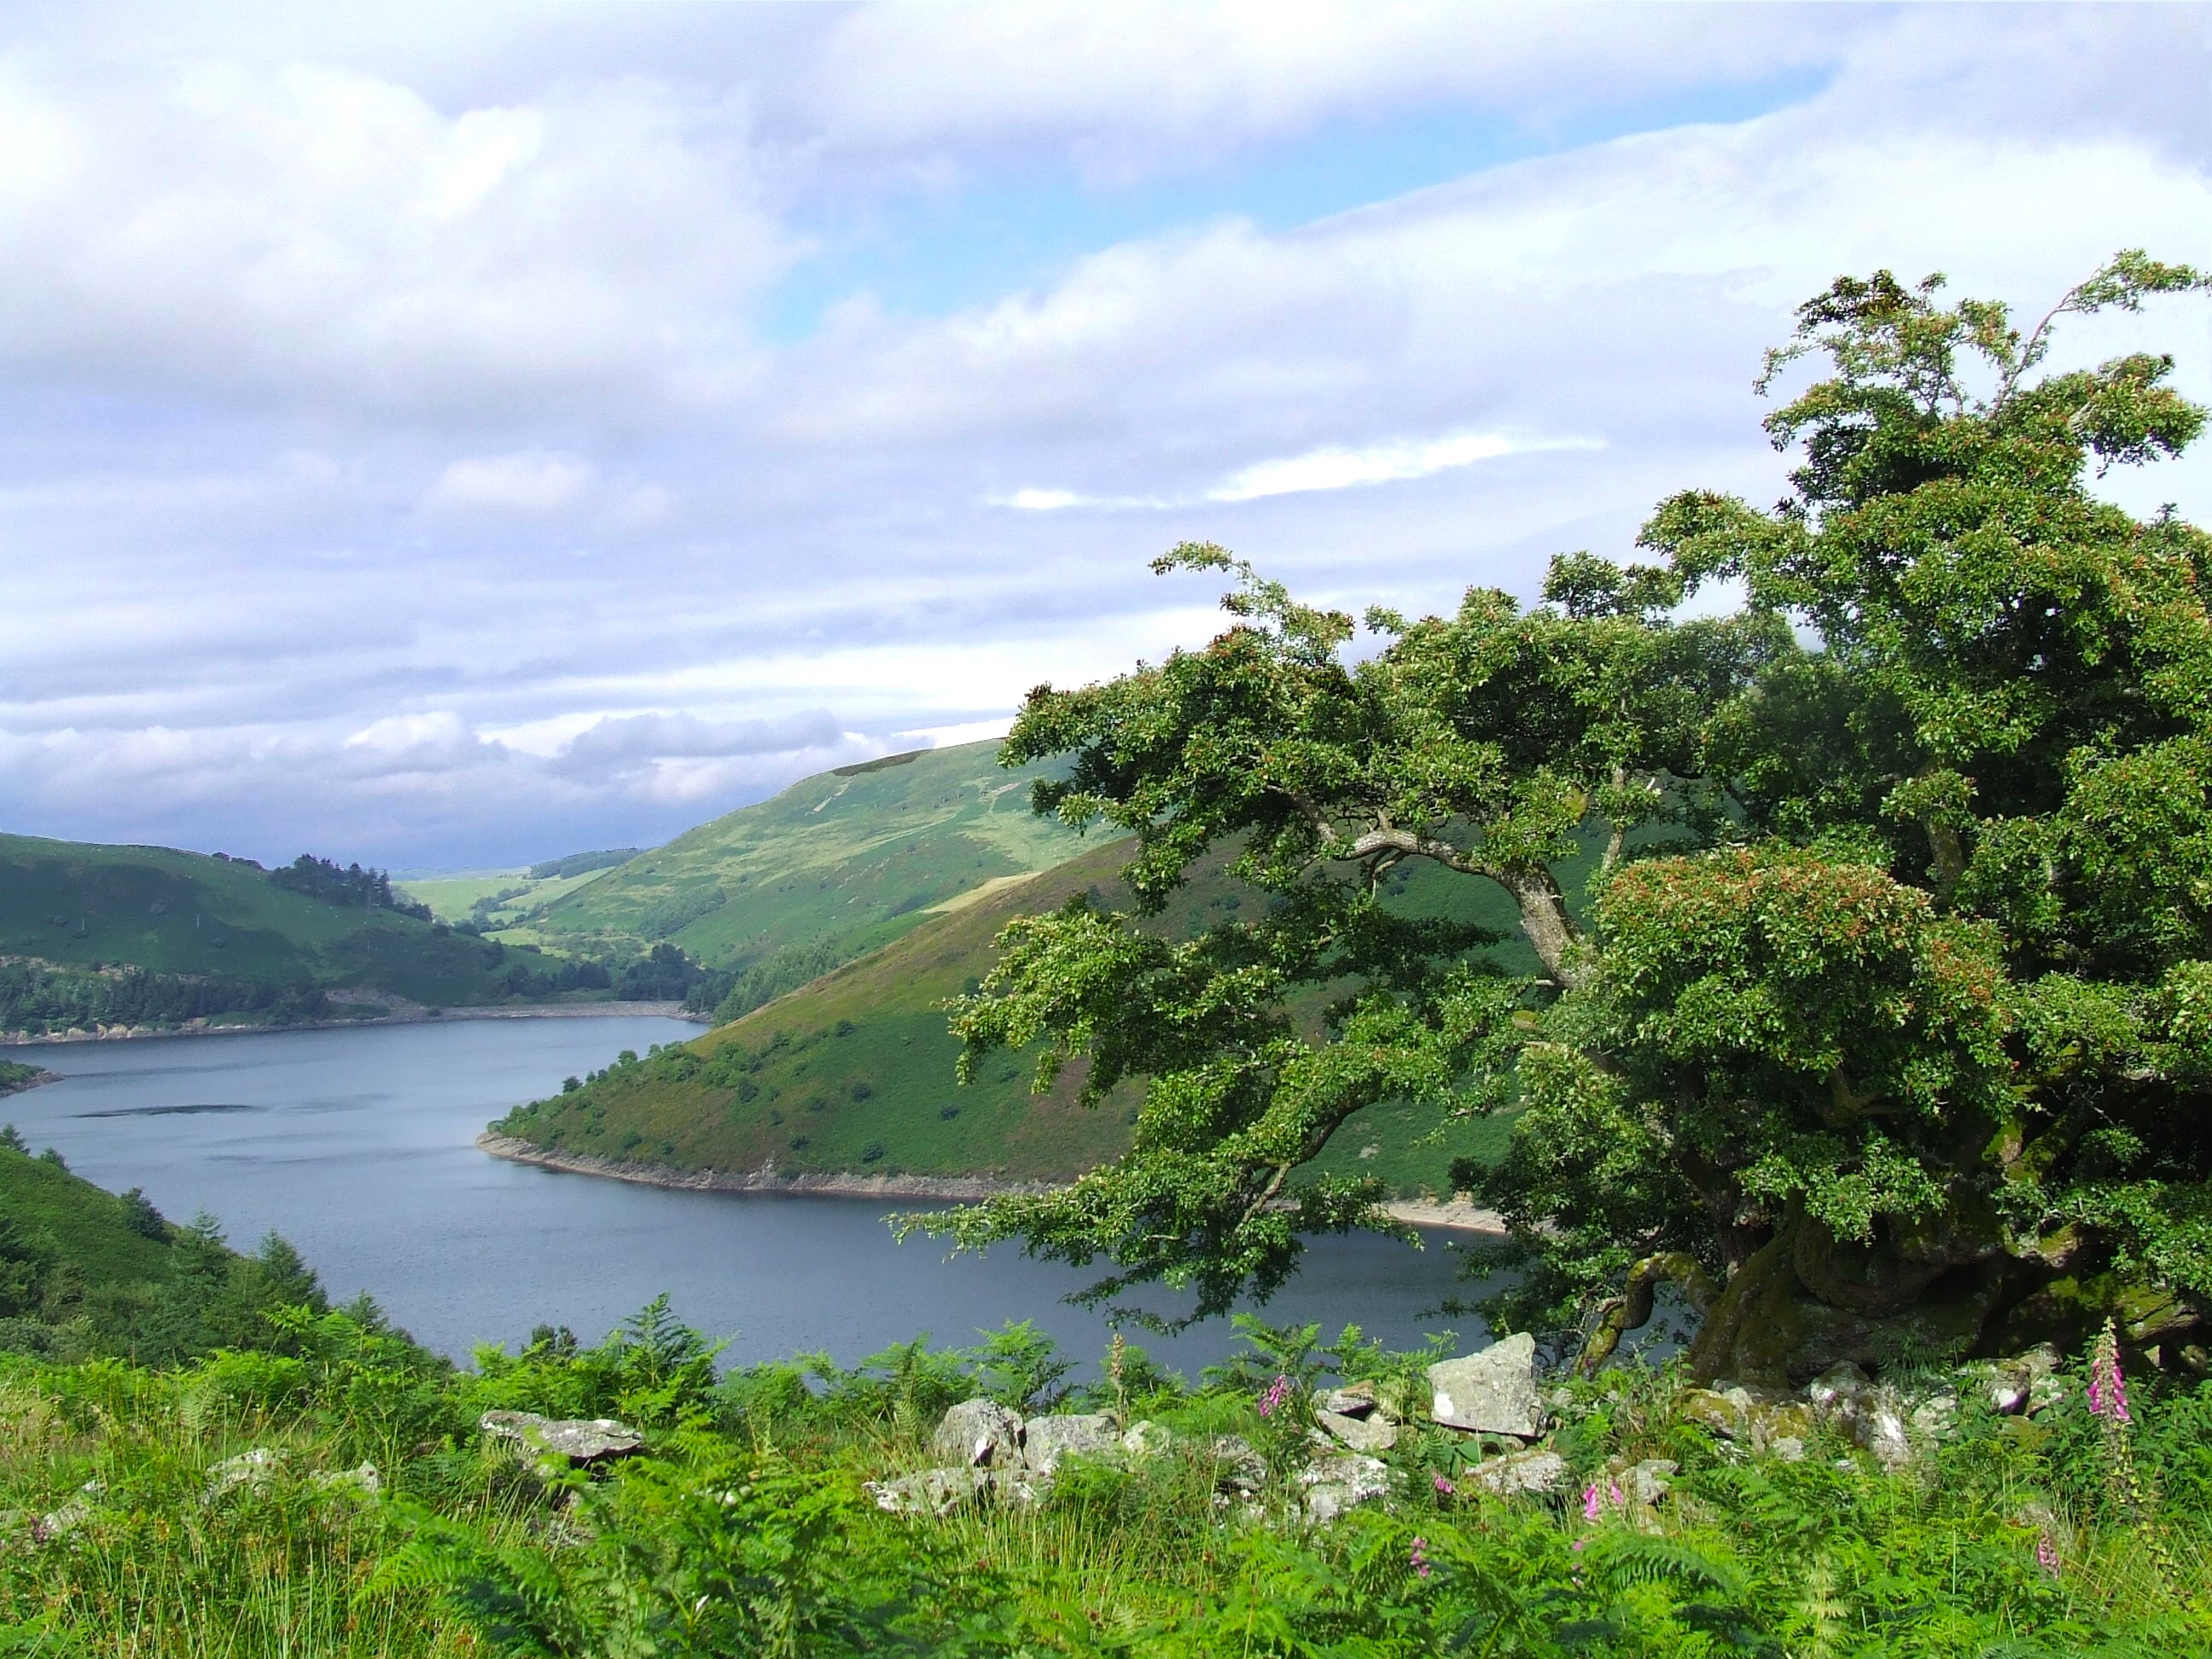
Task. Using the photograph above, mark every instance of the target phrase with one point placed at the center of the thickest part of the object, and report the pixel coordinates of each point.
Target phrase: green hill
(84, 1272)
(91, 933)
(853, 1073)
(836, 865)
(103, 1240)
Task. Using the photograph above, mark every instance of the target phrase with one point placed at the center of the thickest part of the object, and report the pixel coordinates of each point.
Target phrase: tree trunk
(1806, 1301)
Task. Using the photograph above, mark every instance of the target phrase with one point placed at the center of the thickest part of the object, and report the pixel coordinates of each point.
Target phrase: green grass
(745, 1528)
(455, 898)
(90, 1229)
(860, 1061)
(858, 855)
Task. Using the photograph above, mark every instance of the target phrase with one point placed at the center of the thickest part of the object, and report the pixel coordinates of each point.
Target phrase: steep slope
(47, 1213)
(853, 1074)
(210, 936)
(847, 860)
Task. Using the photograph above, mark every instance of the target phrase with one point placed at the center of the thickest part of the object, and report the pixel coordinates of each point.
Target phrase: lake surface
(358, 1145)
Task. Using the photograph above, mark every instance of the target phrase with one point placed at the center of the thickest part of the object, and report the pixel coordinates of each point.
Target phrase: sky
(455, 436)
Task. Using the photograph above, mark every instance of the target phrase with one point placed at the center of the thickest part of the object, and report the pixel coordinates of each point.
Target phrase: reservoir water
(358, 1145)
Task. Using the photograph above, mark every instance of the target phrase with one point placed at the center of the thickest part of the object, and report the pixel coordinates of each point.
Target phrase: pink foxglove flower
(1591, 1508)
(1419, 1556)
(2046, 1554)
(1444, 1486)
(2108, 1389)
(1278, 1391)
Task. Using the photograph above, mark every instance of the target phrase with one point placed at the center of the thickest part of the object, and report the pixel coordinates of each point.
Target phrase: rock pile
(986, 1451)
(989, 1450)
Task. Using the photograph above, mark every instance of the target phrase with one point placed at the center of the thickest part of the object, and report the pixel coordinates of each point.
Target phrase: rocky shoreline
(955, 1189)
(409, 1015)
(767, 1180)
(17, 1087)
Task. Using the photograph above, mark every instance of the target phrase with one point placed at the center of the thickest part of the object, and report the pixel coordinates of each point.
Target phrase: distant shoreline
(771, 1182)
(405, 1016)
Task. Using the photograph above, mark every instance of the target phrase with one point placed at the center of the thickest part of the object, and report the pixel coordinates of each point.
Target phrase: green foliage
(745, 1529)
(146, 936)
(1878, 1018)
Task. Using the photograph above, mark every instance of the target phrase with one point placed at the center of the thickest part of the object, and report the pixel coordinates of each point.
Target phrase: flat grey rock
(582, 1440)
(1493, 1391)
(1334, 1485)
(1353, 1399)
(979, 1434)
(1045, 1440)
(1367, 1434)
(1538, 1472)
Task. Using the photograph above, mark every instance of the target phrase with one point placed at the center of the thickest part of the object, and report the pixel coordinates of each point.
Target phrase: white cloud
(530, 483)
(1332, 466)
(317, 231)
(398, 459)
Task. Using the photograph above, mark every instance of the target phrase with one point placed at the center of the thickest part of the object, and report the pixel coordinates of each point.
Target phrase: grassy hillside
(855, 1072)
(70, 910)
(851, 859)
(84, 1273)
(107, 1241)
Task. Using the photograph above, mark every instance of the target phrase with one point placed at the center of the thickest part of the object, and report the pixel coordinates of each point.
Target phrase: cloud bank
(459, 435)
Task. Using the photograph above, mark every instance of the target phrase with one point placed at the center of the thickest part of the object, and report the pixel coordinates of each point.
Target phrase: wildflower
(1419, 1556)
(1445, 1487)
(1278, 1391)
(2046, 1554)
(1613, 1490)
(2108, 1389)
(1591, 1508)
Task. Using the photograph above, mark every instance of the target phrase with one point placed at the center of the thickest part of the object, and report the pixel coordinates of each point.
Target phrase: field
(501, 900)
(855, 857)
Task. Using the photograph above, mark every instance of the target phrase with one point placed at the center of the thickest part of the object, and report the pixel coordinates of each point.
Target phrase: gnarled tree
(1872, 984)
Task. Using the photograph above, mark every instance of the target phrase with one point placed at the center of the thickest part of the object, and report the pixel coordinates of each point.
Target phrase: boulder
(1045, 1440)
(1878, 1419)
(1759, 1420)
(361, 1482)
(1237, 1465)
(1334, 1485)
(1146, 1439)
(1493, 1391)
(1360, 1400)
(980, 1434)
(932, 1492)
(1538, 1472)
(583, 1441)
(1646, 1482)
(2024, 1384)
(72, 1515)
(1373, 1433)
(250, 1469)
